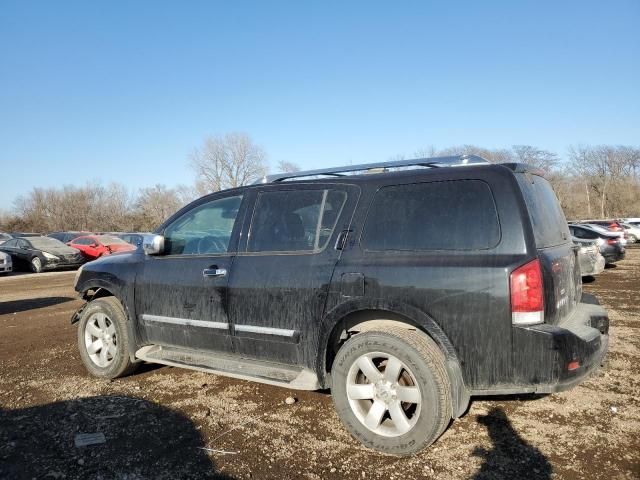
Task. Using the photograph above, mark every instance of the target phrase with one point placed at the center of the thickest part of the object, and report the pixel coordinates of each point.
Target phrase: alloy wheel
(383, 394)
(100, 340)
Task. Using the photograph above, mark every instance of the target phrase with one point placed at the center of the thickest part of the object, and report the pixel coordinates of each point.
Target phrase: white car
(633, 231)
(6, 265)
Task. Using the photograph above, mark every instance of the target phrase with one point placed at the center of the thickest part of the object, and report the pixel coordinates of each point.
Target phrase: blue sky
(124, 91)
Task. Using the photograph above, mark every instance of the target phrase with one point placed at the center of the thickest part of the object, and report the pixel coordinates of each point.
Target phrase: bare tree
(426, 152)
(608, 173)
(229, 161)
(287, 167)
(536, 157)
(155, 204)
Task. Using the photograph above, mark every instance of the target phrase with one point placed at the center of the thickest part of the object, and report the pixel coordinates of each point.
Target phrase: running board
(232, 366)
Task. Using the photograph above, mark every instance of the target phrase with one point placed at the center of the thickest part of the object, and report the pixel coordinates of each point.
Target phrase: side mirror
(153, 244)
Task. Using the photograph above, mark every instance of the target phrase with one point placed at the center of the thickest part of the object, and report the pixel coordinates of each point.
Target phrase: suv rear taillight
(527, 294)
(612, 241)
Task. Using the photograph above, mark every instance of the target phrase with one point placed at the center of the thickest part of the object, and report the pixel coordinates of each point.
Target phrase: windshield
(42, 243)
(108, 240)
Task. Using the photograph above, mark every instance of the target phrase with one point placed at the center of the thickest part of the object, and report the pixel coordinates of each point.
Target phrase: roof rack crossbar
(435, 162)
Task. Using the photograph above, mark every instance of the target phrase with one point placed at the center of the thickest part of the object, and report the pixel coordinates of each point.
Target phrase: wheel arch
(361, 315)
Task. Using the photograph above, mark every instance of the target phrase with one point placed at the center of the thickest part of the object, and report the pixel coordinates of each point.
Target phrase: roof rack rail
(434, 162)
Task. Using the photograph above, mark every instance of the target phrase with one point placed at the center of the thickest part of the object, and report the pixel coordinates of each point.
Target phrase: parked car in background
(601, 228)
(24, 234)
(4, 237)
(66, 237)
(612, 225)
(95, 246)
(134, 238)
(633, 231)
(609, 243)
(41, 253)
(6, 265)
(341, 283)
(591, 260)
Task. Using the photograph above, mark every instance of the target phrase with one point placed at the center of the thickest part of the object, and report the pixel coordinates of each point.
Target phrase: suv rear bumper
(544, 355)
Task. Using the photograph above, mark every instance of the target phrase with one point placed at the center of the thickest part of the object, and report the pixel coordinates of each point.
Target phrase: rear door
(281, 276)
(557, 253)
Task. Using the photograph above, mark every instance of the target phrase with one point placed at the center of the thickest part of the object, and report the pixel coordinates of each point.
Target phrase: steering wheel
(211, 244)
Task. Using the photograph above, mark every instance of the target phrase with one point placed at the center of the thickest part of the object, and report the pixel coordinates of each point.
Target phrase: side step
(232, 366)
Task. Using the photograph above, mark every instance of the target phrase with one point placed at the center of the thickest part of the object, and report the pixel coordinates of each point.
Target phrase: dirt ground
(158, 422)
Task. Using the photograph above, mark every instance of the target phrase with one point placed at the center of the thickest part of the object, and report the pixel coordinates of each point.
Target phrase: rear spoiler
(524, 168)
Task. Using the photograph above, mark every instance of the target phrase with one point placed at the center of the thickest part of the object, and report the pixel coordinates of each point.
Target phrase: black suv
(406, 292)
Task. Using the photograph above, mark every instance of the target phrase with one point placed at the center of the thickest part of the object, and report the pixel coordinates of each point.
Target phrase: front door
(280, 279)
(181, 295)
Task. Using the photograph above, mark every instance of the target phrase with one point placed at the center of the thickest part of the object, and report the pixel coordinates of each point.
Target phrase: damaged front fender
(75, 318)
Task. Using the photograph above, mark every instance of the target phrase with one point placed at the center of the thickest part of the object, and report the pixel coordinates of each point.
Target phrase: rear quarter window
(450, 215)
(547, 218)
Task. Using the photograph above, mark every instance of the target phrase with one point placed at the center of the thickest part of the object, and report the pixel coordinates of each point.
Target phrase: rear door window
(547, 218)
(294, 220)
(451, 215)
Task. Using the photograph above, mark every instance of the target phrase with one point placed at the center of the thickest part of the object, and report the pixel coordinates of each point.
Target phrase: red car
(94, 246)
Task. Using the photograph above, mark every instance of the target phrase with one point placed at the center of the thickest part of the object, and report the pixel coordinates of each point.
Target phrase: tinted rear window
(547, 218)
(293, 220)
(452, 215)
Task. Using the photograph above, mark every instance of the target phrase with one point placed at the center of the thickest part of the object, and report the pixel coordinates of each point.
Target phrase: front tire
(391, 390)
(36, 265)
(103, 339)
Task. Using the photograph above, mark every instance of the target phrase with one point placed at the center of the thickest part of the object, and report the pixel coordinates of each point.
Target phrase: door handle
(214, 272)
(342, 239)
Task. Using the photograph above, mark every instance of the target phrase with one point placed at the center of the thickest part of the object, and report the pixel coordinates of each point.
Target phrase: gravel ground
(159, 422)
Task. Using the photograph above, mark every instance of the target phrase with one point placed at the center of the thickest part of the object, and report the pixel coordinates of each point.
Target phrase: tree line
(592, 181)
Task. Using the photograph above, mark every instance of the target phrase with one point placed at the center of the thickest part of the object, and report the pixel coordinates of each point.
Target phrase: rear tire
(632, 239)
(36, 265)
(103, 339)
(391, 389)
